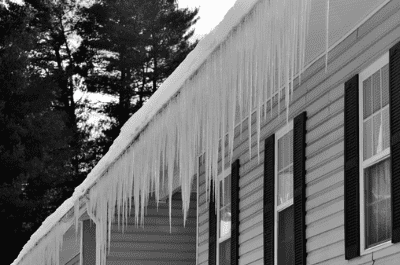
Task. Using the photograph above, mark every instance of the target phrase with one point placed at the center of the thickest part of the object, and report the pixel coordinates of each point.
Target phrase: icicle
(327, 36)
(259, 59)
(76, 216)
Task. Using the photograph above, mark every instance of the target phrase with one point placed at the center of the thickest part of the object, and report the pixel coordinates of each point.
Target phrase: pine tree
(43, 150)
(135, 45)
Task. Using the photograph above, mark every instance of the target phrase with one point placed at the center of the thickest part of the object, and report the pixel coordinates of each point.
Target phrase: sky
(211, 13)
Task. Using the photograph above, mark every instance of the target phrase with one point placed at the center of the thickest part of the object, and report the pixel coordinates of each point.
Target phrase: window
(375, 175)
(224, 219)
(284, 233)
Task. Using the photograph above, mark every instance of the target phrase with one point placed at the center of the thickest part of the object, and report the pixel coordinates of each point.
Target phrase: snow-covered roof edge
(133, 127)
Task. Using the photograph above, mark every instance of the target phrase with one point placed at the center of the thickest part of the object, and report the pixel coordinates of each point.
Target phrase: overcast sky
(211, 13)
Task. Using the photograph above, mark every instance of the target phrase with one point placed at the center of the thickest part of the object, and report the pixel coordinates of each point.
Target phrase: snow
(240, 63)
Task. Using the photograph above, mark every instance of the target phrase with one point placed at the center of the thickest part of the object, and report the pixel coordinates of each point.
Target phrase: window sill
(377, 247)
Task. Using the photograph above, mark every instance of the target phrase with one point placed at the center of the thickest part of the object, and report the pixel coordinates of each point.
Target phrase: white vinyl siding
(321, 94)
(154, 243)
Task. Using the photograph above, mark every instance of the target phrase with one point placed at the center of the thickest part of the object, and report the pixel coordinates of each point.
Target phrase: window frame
(279, 134)
(366, 73)
(224, 174)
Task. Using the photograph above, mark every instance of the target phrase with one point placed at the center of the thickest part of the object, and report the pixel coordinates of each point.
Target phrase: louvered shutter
(299, 184)
(269, 196)
(235, 212)
(88, 242)
(212, 230)
(351, 169)
(394, 109)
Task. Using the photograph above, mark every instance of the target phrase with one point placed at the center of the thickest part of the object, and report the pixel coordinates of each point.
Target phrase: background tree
(34, 148)
(50, 51)
(135, 45)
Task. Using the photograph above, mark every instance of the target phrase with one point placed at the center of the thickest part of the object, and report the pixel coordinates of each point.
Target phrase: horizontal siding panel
(202, 248)
(153, 256)
(151, 246)
(148, 262)
(255, 262)
(316, 119)
(160, 221)
(325, 154)
(326, 195)
(203, 217)
(203, 228)
(249, 178)
(324, 169)
(250, 245)
(203, 208)
(203, 257)
(327, 252)
(332, 236)
(163, 210)
(331, 136)
(363, 260)
(250, 221)
(153, 237)
(325, 127)
(325, 182)
(325, 210)
(388, 260)
(317, 107)
(251, 233)
(258, 206)
(389, 251)
(251, 198)
(251, 186)
(325, 224)
(203, 237)
(256, 254)
(74, 261)
(332, 107)
(153, 229)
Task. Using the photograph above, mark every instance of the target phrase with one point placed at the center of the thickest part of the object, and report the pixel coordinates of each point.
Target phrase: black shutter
(351, 170)
(212, 230)
(235, 212)
(394, 109)
(88, 242)
(299, 185)
(269, 210)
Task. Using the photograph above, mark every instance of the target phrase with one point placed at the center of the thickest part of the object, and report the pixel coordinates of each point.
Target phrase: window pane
(377, 206)
(367, 139)
(385, 85)
(285, 185)
(225, 192)
(285, 176)
(385, 125)
(290, 146)
(225, 252)
(367, 97)
(285, 237)
(225, 221)
(376, 90)
(377, 134)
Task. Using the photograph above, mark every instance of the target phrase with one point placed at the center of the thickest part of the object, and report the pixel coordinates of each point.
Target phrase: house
(285, 118)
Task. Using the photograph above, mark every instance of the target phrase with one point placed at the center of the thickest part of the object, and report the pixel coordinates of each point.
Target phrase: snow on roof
(135, 125)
